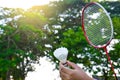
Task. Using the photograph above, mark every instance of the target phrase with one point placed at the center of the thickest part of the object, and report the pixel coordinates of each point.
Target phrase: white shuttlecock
(61, 54)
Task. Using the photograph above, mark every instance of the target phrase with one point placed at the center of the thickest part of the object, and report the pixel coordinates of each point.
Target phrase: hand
(73, 73)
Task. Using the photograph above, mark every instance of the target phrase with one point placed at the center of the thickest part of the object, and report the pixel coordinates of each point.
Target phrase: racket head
(97, 25)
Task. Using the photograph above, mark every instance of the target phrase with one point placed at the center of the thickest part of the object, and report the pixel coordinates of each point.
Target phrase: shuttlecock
(61, 54)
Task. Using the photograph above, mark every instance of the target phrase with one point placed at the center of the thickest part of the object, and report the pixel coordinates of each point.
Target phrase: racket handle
(109, 60)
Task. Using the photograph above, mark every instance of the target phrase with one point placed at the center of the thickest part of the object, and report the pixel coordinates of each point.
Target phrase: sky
(22, 3)
(44, 71)
(26, 3)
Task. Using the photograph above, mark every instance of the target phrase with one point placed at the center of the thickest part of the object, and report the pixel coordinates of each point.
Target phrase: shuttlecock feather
(61, 54)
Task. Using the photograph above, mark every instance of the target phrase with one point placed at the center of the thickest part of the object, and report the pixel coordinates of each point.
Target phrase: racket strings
(98, 28)
(97, 25)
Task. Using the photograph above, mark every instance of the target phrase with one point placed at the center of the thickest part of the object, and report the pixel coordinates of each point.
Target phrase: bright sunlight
(45, 71)
(25, 4)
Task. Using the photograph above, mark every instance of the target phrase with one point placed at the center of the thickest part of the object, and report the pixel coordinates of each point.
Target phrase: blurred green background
(27, 35)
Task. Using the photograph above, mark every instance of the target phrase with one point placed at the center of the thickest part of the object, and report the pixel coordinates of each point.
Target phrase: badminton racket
(97, 27)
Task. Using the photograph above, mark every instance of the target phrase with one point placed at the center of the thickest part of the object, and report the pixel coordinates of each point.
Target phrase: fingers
(71, 64)
(76, 73)
(63, 75)
(64, 69)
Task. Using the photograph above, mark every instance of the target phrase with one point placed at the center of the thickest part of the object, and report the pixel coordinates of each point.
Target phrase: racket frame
(83, 27)
(103, 46)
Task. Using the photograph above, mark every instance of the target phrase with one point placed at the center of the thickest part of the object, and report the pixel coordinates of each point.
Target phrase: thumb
(72, 65)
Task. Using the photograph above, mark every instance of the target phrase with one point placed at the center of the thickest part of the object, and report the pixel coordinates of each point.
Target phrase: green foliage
(115, 53)
(23, 39)
(116, 24)
(21, 43)
(112, 7)
(70, 36)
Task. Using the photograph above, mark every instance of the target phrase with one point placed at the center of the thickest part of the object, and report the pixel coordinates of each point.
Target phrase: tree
(24, 39)
(22, 43)
(66, 31)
